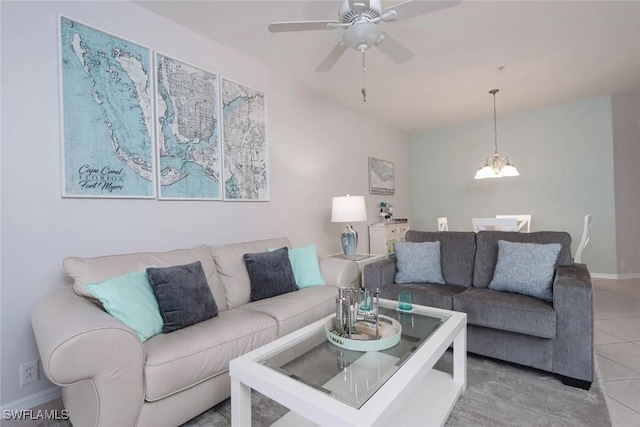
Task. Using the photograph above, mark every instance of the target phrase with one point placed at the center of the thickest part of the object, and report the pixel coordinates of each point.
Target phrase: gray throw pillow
(418, 262)
(270, 274)
(526, 268)
(183, 294)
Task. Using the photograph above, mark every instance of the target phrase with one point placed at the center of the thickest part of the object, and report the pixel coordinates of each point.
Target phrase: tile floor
(617, 342)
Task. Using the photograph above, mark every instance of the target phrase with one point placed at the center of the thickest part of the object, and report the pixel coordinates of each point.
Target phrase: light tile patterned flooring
(617, 342)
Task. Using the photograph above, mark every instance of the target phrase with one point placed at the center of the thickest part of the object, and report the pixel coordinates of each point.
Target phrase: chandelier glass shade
(496, 167)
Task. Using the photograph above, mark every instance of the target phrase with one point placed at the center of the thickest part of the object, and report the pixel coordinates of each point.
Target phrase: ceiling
(552, 52)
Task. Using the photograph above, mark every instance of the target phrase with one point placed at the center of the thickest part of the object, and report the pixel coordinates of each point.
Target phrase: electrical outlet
(29, 372)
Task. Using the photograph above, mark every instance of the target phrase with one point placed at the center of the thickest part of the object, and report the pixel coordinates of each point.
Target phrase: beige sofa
(111, 378)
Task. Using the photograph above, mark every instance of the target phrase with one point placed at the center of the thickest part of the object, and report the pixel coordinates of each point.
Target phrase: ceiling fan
(360, 21)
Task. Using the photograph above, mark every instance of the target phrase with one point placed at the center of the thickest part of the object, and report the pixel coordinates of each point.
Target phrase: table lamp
(348, 209)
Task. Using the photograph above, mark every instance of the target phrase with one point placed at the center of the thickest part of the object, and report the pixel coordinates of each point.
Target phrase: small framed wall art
(381, 177)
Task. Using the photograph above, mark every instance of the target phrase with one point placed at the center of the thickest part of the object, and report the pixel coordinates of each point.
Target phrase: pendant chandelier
(494, 167)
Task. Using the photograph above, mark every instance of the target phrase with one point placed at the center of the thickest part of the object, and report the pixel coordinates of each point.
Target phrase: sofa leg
(585, 385)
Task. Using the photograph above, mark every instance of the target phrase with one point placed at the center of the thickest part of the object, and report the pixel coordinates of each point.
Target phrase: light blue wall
(565, 158)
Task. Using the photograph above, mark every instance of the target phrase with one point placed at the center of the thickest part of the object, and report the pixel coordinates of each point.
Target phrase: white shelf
(382, 236)
(430, 405)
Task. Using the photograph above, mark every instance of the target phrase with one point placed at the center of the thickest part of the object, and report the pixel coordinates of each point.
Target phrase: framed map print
(188, 131)
(107, 114)
(381, 177)
(244, 141)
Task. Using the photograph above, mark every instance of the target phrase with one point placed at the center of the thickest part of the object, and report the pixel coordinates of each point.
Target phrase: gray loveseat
(555, 336)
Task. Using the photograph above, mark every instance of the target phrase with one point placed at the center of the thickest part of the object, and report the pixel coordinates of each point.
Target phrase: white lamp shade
(348, 209)
(484, 172)
(509, 170)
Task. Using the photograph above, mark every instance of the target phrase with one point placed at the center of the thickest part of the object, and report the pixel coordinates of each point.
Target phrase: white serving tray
(390, 336)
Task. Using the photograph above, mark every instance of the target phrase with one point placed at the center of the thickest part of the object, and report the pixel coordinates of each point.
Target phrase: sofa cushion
(270, 274)
(98, 269)
(487, 252)
(431, 295)
(183, 295)
(305, 265)
(194, 354)
(507, 311)
(457, 250)
(525, 268)
(418, 262)
(296, 309)
(130, 299)
(230, 264)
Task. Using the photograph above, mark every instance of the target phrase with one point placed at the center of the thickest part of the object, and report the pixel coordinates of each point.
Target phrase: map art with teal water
(107, 114)
(188, 131)
(244, 138)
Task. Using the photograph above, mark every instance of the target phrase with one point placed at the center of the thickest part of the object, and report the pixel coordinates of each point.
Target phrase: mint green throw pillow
(130, 299)
(306, 269)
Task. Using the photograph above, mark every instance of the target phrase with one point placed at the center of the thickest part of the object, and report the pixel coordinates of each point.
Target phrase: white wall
(565, 158)
(626, 152)
(317, 150)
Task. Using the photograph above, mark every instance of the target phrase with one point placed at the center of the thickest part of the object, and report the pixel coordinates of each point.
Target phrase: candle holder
(358, 324)
(356, 305)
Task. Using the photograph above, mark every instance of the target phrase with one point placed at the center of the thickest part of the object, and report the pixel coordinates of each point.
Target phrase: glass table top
(352, 377)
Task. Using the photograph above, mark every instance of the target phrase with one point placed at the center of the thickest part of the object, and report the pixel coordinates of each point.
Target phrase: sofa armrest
(79, 343)
(341, 273)
(573, 303)
(380, 273)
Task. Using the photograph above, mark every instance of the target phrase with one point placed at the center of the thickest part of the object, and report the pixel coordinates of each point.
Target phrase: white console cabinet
(382, 236)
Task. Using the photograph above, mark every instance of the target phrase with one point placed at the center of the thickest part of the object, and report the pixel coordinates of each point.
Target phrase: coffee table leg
(240, 404)
(460, 358)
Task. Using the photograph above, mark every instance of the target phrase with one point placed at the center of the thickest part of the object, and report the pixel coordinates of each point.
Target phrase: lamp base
(349, 238)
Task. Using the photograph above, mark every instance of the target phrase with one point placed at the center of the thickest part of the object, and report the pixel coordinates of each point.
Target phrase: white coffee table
(325, 385)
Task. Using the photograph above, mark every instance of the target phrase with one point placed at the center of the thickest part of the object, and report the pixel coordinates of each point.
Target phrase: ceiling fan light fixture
(361, 34)
(360, 21)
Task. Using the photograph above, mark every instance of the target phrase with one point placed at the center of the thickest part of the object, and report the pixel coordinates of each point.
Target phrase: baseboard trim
(33, 400)
(615, 276)
(629, 276)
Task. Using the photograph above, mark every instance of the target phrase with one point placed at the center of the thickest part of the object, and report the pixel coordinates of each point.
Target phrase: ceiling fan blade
(394, 49)
(333, 56)
(409, 9)
(280, 27)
